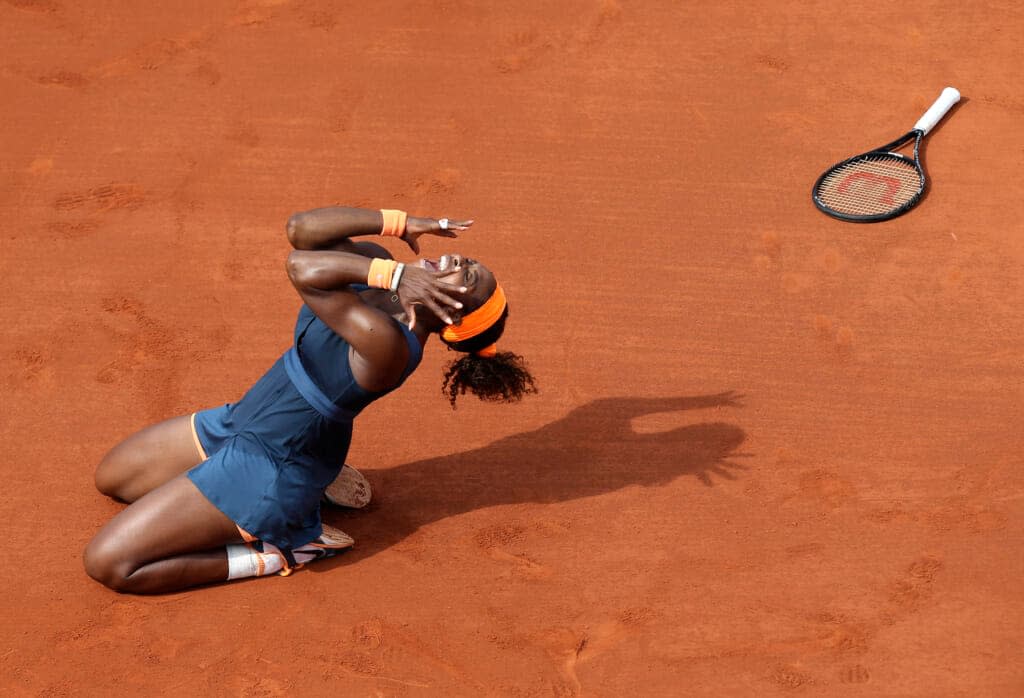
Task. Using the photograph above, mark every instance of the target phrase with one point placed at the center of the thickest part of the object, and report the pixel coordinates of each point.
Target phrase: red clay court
(773, 453)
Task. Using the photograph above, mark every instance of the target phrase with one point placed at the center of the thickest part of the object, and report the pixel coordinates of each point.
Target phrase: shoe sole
(333, 539)
(350, 489)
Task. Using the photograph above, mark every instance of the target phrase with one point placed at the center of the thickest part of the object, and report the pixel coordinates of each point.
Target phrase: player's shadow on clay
(593, 450)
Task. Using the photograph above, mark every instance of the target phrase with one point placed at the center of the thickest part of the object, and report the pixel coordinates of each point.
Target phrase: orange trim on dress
(195, 437)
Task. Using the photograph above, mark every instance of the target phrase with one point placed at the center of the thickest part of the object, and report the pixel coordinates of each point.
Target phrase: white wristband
(397, 276)
(443, 223)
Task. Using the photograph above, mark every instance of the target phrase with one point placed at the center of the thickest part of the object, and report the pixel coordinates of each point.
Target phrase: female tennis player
(235, 491)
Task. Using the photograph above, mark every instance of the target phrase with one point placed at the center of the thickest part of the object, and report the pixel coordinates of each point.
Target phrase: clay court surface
(773, 453)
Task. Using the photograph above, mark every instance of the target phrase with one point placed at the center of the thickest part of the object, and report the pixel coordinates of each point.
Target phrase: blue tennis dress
(272, 454)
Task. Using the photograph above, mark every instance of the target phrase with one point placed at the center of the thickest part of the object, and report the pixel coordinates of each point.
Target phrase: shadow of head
(594, 449)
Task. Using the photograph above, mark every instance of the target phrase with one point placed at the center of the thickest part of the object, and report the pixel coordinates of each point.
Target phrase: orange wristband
(394, 222)
(381, 271)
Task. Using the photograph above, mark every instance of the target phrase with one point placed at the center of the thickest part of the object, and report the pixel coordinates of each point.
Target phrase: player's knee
(104, 564)
(295, 230)
(104, 480)
(113, 473)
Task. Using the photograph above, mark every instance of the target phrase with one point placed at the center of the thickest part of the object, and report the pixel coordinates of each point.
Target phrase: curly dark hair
(499, 378)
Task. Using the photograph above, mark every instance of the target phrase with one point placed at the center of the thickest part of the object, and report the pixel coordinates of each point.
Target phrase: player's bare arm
(331, 227)
(324, 277)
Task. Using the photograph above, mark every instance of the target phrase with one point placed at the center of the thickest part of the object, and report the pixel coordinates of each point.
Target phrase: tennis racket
(880, 184)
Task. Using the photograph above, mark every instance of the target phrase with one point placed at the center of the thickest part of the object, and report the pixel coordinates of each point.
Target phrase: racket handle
(943, 104)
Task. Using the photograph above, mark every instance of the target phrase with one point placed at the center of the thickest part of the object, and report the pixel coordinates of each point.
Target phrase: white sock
(246, 561)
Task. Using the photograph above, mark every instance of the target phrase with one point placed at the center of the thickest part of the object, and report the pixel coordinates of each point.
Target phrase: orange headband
(479, 321)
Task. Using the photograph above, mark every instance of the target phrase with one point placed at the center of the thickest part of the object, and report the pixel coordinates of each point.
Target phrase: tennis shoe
(350, 489)
(328, 544)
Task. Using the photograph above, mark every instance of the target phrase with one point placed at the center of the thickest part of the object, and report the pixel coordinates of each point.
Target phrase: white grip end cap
(943, 104)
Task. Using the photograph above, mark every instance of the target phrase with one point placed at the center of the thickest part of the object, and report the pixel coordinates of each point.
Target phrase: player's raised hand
(445, 228)
(421, 286)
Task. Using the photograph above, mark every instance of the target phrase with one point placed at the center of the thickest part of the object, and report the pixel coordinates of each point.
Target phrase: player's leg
(148, 459)
(169, 539)
(174, 538)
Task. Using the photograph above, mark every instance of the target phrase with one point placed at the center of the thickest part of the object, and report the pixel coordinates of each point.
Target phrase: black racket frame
(885, 150)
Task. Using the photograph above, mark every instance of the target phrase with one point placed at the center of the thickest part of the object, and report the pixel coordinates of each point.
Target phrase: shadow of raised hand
(592, 450)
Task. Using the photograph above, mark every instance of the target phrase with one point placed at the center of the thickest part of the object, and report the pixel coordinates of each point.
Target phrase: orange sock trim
(381, 271)
(286, 571)
(394, 222)
(261, 567)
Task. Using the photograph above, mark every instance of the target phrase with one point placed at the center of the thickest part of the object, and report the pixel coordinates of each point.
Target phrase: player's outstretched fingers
(443, 227)
(446, 224)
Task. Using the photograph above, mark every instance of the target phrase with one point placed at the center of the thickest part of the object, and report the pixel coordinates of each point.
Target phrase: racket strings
(870, 186)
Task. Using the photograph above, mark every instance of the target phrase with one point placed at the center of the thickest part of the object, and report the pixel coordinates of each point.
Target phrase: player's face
(463, 271)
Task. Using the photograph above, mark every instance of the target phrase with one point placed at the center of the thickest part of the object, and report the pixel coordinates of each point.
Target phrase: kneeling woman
(235, 491)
